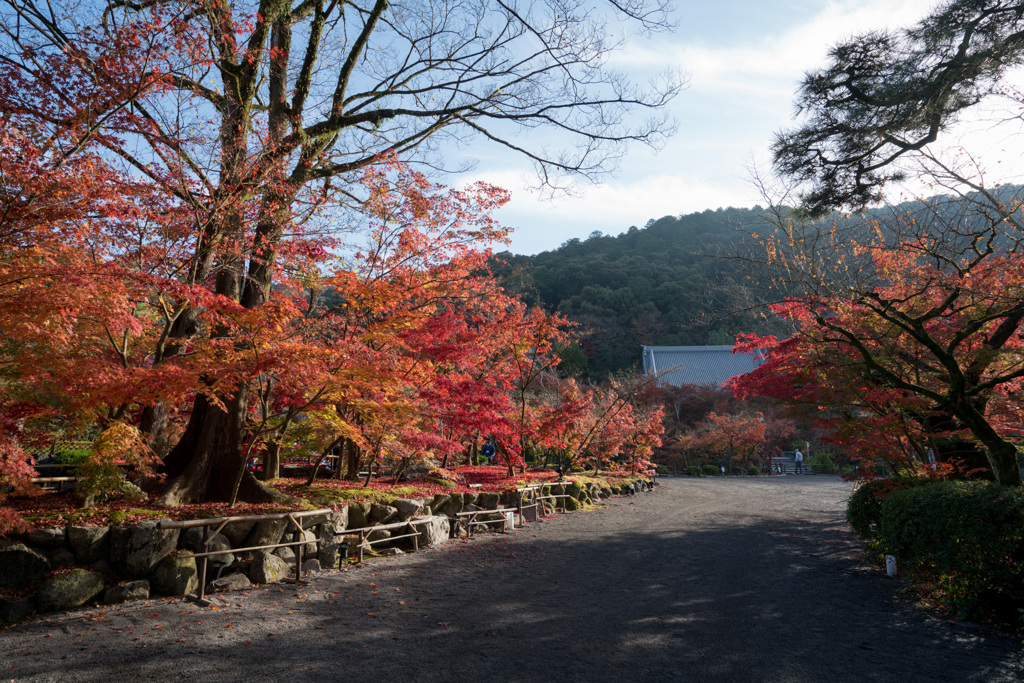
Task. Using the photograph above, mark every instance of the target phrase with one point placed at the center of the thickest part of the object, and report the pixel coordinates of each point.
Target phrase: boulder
(190, 540)
(453, 506)
(104, 567)
(308, 550)
(15, 609)
(66, 591)
(48, 538)
(438, 502)
(21, 566)
(136, 550)
(419, 470)
(332, 527)
(313, 520)
(62, 557)
(407, 509)
(434, 531)
(176, 575)
(267, 568)
(489, 500)
(378, 535)
(267, 532)
(89, 543)
(312, 565)
(231, 582)
(237, 532)
(329, 555)
(384, 513)
(329, 538)
(132, 590)
(286, 554)
(470, 498)
(358, 515)
(571, 504)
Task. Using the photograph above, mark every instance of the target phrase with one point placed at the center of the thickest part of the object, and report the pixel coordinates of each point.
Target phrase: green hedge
(865, 506)
(710, 471)
(752, 471)
(693, 471)
(967, 537)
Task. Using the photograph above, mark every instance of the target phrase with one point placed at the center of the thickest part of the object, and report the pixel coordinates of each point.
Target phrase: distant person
(488, 451)
(799, 459)
(931, 459)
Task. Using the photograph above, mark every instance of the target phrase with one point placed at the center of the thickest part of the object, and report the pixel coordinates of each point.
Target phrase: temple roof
(708, 366)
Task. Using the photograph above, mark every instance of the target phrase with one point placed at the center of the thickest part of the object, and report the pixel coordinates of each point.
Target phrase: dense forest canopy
(674, 282)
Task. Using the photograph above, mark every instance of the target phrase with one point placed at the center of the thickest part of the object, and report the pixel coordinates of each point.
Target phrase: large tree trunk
(272, 461)
(351, 460)
(956, 450)
(209, 457)
(153, 426)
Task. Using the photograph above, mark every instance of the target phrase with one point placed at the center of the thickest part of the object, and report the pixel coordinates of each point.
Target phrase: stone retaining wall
(64, 568)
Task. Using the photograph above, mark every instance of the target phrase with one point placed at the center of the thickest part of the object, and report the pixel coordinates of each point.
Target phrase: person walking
(798, 457)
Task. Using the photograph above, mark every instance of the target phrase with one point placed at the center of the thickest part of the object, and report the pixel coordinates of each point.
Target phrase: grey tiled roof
(708, 366)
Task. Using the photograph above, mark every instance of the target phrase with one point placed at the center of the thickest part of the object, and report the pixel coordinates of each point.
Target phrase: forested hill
(665, 284)
(676, 281)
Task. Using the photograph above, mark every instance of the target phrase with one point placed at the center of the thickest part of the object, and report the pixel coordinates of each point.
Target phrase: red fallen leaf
(444, 623)
(370, 614)
(247, 643)
(228, 625)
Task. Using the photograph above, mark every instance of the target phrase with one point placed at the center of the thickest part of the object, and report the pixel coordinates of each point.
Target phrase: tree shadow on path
(639, 590)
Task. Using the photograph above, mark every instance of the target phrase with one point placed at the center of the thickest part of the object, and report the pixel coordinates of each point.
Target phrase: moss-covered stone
(176, 575)
(22, 566)
(358, 514)
(66, 591)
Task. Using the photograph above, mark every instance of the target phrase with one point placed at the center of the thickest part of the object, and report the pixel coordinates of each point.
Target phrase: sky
(744, 59)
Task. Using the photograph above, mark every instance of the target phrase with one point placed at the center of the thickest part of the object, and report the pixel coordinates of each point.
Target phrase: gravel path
(705, 580)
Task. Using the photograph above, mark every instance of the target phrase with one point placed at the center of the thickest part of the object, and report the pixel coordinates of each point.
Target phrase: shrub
(72, 455)
(967, 536)
(820, 462)
(693, 471)
(752, 471)
(865, 506)
(710, 471)
(663, 469)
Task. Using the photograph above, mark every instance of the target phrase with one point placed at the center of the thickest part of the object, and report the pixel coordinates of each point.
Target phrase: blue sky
(744, 59)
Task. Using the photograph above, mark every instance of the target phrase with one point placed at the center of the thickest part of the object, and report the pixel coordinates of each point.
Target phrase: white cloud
(611, 207)
(782, 56)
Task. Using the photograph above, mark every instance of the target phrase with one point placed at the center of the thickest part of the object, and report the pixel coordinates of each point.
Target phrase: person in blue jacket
(488, 450)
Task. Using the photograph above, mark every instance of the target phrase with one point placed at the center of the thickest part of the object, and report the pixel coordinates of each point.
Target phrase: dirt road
(753, 579)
